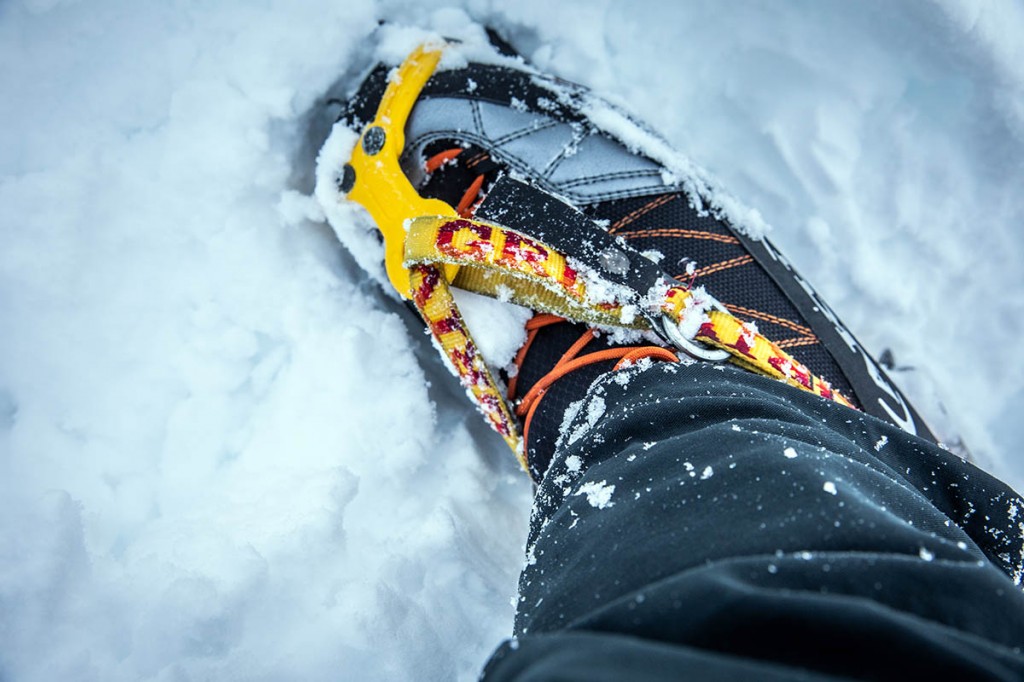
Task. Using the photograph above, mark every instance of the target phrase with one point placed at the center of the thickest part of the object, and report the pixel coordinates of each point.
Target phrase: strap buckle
(692, 347)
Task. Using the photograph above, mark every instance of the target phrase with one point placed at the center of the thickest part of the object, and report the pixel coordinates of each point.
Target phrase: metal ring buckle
(691, 347)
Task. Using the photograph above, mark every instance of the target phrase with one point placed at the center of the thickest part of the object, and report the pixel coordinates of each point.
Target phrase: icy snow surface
(226, 453)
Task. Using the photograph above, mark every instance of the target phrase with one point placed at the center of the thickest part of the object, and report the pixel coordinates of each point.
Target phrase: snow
(573, 464)
(695, 312)
(599, 494)
(595, 408)
(498, 328)
(225, 452)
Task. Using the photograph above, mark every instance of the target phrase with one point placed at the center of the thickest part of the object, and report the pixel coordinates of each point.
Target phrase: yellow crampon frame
(374, 176)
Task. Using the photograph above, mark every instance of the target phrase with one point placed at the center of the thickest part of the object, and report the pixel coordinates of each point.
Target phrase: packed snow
(226, 452)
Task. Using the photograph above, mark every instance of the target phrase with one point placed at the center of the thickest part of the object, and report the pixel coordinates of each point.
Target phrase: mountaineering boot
(485, 175)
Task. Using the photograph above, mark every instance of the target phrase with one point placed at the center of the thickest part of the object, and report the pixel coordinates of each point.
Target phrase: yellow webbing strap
(499, 262)
(434, 300)
(493, 259)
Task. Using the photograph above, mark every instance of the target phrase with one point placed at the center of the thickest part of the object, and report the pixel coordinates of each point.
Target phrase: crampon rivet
(347, 180)
(373, 140)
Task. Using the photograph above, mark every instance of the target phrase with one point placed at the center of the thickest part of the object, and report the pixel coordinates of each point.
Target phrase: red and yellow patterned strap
(433, 298)
(495, 260)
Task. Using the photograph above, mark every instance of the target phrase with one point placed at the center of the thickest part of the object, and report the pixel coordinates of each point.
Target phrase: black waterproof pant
(700, 522)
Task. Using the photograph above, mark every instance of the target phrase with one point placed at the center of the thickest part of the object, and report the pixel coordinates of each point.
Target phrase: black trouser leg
(699, 522)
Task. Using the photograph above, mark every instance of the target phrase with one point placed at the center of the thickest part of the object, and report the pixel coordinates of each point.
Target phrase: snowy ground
(225, 454)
